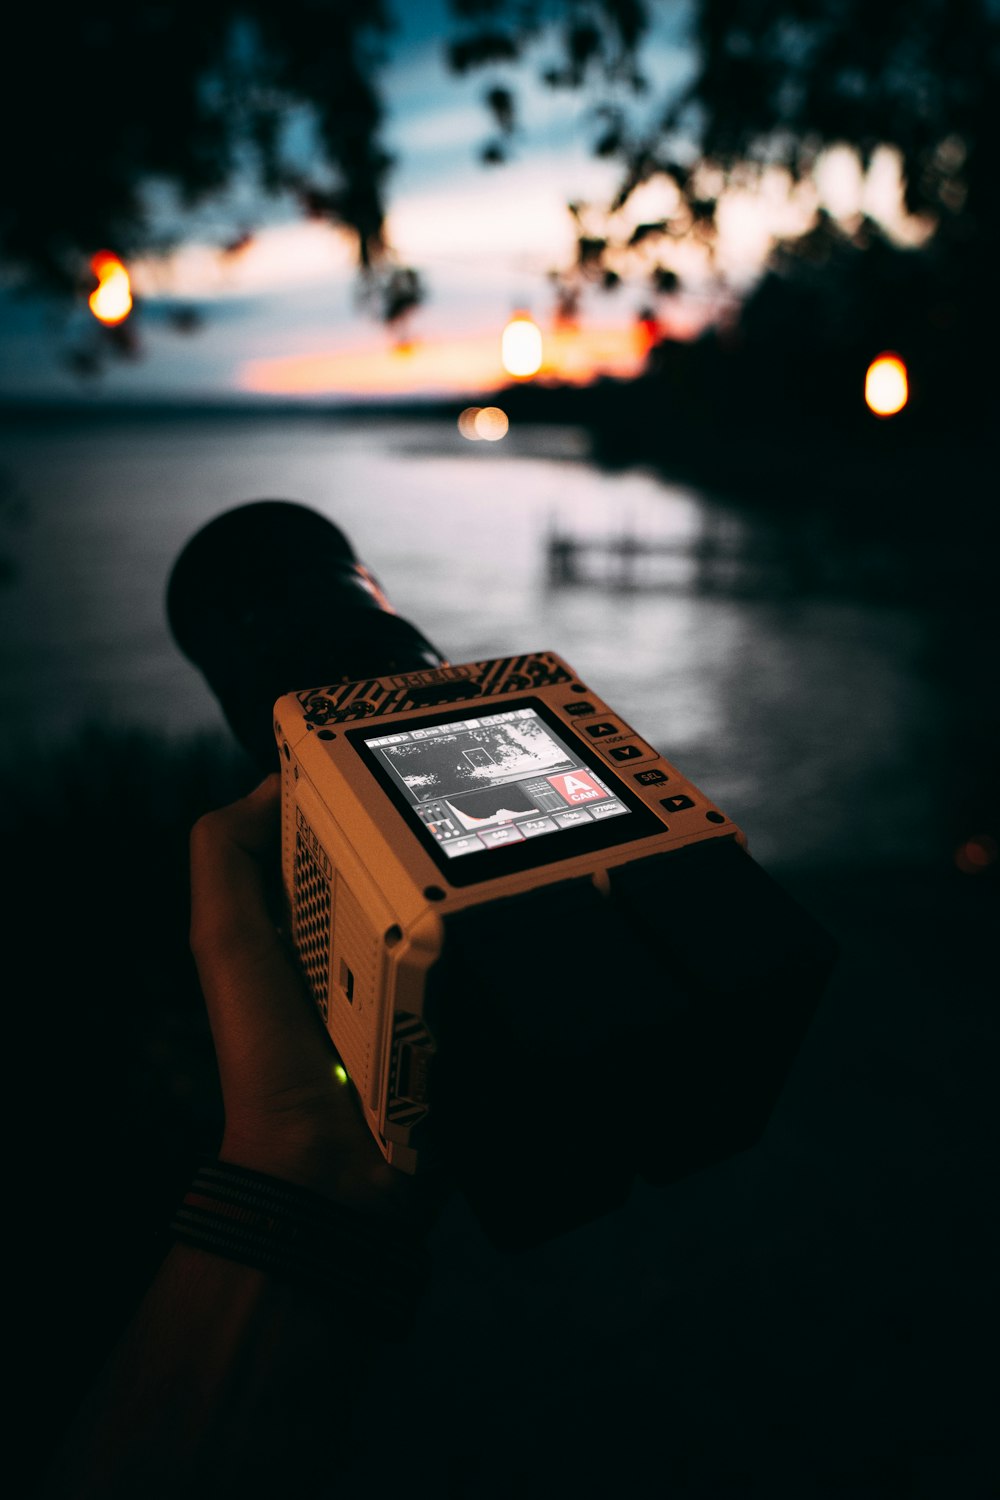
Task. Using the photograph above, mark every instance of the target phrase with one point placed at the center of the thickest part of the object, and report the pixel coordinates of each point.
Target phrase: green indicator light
(340, 1073)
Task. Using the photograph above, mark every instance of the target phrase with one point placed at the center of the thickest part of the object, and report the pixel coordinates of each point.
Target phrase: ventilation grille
(394, 695)
(311, 921)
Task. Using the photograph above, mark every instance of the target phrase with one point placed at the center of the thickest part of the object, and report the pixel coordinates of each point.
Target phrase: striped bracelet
(373, 1266)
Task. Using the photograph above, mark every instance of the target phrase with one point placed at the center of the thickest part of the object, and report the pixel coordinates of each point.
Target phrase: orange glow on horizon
(887, 388)
(444, 366)
(111, 300)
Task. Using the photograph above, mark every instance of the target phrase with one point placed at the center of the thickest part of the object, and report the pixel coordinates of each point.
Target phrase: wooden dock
(751, 561)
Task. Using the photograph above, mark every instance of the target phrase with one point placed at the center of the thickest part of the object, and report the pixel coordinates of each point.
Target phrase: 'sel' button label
(650, 778)
(601, 731)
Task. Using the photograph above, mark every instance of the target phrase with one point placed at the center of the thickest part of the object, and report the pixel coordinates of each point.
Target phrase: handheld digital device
(401, 809)
(545, 958)
(484, 866)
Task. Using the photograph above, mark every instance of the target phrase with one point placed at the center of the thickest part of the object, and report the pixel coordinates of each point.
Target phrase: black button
(579, 708)
(601, 731)
(676, 803)
(650, 778)
(626, 752)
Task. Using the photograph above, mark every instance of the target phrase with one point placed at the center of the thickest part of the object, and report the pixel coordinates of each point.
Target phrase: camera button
(576, 709)
(677, 803)
(603, 730)
(655, 777)
(506, 834)
(631, 750)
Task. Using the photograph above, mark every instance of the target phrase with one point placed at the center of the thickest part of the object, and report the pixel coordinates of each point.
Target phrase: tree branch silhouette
(97, 106)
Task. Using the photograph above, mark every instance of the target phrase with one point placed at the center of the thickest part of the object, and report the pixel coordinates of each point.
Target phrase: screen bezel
(509, 859)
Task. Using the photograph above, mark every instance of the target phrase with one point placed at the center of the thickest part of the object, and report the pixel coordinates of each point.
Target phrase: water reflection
(725, 553)
(754, 653)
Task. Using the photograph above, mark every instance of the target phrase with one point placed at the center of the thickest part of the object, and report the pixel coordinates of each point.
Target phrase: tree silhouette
(777, 84)
(98, 105)
(780, 82)
(101, 105)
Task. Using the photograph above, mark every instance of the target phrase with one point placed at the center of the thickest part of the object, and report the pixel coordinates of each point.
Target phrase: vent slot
(356, 945)
(311, 918)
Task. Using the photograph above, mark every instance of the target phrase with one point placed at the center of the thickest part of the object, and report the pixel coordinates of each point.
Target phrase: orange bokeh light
(491, 424)
(887, 387)
(111, 300)
(977, 854)
(467, 423)
(521, 347)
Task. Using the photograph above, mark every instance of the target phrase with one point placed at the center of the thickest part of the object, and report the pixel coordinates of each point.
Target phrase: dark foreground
(815, 1317)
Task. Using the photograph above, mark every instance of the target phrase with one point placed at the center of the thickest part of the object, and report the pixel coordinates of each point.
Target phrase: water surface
(804, 716)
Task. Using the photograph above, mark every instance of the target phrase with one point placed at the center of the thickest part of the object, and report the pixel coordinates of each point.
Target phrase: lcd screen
(492, 781)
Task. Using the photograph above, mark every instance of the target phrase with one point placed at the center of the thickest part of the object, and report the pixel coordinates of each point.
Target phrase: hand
(287, 1112)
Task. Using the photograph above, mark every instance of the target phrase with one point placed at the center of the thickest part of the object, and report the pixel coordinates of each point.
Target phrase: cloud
(279, 257)
(514, 212)
(482, 239)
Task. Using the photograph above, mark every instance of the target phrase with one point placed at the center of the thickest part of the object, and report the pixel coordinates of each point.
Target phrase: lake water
(807, 718)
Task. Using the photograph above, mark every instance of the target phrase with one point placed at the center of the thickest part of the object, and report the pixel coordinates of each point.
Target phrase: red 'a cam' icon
(577, 787)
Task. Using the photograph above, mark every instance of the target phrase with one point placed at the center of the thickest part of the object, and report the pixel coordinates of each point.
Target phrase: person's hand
(287, 1112)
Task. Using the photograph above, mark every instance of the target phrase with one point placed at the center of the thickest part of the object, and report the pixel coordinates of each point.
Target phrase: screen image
(500, 779)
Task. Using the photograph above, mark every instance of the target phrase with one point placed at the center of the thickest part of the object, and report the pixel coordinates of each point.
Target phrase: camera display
(512, 785)
(483, 782)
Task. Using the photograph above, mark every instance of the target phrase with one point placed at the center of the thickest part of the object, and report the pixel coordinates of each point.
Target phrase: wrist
(369, 1185)
(302, 1238)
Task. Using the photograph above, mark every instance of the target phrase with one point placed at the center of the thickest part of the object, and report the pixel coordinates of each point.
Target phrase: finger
(256, 1003)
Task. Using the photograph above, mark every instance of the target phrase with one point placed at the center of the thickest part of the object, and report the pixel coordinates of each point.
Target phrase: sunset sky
(282, 318)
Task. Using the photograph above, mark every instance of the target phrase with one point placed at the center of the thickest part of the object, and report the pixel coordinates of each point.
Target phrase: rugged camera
(544, 956)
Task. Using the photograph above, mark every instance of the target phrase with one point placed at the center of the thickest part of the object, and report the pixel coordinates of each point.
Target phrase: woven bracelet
(371, 1266)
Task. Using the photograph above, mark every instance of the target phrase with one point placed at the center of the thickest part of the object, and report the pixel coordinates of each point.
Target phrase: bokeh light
(491, 424)
(977, 854)
(467, 423)
(111, 301)
(521, 347)
(887, 388)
